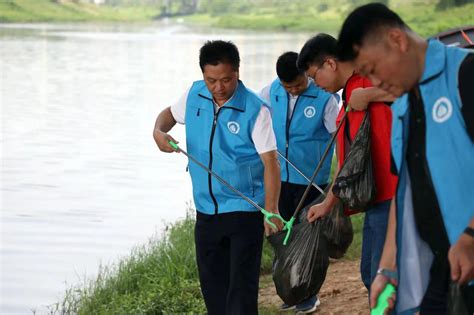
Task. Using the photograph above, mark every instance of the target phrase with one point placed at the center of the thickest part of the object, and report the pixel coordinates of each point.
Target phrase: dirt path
(342, 292)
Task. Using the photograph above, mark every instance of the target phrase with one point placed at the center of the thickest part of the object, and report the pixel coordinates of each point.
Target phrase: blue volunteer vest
(450, 158)
(303, 137)
(222, 140)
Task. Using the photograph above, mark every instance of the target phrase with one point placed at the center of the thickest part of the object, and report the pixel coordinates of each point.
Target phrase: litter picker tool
(268, 215)
(289, 224)
(301, 173)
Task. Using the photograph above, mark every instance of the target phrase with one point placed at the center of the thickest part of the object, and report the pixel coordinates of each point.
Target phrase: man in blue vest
(228, 128)
(304, 116)
(430, 239)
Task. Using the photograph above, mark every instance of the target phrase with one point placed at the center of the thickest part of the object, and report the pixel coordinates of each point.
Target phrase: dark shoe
(286, 307)
(308, 306)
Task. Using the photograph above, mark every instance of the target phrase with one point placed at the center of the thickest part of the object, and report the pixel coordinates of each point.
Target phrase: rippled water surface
(82, 181)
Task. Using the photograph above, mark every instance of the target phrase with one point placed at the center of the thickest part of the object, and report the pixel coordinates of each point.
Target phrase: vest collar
(435, 59)
(311, 90)
(237, 100)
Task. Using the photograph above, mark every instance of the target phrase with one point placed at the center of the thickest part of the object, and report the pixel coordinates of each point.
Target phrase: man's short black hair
(362, 22)
(286, 67)
(219, 51)
(316, 50)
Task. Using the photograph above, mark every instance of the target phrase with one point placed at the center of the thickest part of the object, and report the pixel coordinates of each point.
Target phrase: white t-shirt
(330, 112)
(262, 134)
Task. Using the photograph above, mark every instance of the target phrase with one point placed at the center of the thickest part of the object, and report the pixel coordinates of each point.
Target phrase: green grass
(267, 21)
(354, 250)
(277, 22)
(49, 11)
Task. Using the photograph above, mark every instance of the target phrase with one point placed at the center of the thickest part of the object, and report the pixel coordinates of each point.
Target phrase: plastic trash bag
(299, 268)
(338, 231)
(355, 184)
(337, 227)
(456, 302)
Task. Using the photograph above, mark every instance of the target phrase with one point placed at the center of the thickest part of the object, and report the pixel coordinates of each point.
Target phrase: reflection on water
(82, 181)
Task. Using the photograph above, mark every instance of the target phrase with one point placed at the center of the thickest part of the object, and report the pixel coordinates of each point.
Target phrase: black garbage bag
(456, 303)
(355, 184)
(338, 231)
(300, 266)
(337, 227)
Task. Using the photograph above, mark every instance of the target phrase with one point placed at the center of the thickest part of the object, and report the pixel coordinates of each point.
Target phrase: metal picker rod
(223, 181)
(320, 164)
(301, 173)
(289, 224)
(268, 215)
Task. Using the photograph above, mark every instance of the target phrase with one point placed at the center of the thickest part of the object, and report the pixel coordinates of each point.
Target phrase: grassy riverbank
(422, 15)
(159, 277)
(25, 11)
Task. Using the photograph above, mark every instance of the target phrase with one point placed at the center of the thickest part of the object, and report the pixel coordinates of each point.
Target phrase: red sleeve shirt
(381, 126)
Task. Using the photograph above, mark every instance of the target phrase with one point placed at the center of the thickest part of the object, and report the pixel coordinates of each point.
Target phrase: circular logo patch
(442, 110)
(309, 111)
(233, 126)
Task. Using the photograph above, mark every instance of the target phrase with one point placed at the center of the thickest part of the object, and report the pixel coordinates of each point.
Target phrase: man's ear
(397, 39)
(332, 63)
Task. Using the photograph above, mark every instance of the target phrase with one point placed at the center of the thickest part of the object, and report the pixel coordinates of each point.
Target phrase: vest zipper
(214, 124)
(288, 123)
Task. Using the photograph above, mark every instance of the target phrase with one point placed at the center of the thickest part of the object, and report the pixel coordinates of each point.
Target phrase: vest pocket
(252, 189)
(246, 179)
(256, 179)
(238, 178)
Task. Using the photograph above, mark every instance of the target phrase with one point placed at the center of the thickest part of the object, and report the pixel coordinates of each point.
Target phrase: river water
(82, 182)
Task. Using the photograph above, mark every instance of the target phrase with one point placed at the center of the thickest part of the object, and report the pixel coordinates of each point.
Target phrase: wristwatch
(391, 274)
(469, 231)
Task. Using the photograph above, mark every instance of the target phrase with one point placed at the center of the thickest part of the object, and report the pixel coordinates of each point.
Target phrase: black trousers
(290, 196)
(228, 253)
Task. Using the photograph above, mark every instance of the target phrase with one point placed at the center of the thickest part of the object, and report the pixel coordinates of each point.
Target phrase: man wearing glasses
(319, 59)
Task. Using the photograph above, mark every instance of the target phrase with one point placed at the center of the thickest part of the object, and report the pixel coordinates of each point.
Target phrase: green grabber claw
(288, 227)
(174, 145)
(269, 215)
(382, 300)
